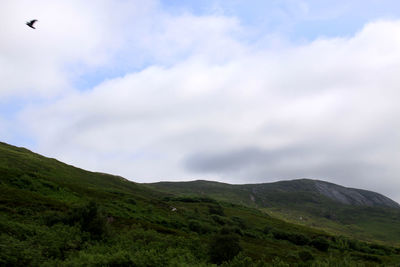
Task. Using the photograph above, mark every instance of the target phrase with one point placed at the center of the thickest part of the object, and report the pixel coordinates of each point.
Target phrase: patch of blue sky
(10, 131)
(90, 77)
(9, 108)
(19, 138)
(296, 20)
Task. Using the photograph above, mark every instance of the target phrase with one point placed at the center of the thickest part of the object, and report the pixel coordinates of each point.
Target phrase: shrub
(305, 256)
(231, 230)
(216, 210)
(320, 243)
(194, 226)
(131, 201)
(238, 231)
(187, 199)
(297, 239)
(242, 260)
(224, 248)
(366, 257)
(240, 222)
(267, 229)
(90, 219)
(199, 227)
(51, 218)
(218, 219)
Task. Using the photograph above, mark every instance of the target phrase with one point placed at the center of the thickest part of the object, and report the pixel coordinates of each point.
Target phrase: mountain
(264, 193)
(334, 208)
(54, 214)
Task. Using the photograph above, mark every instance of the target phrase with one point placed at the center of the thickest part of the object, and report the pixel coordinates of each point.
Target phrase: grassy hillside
(53, 214)
(297, 201)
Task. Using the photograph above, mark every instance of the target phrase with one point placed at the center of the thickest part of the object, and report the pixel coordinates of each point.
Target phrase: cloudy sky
(240, 91)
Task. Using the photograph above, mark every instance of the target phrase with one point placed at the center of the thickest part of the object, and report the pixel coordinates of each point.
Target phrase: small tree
(224, 247)
(216, 209)
(90, 219)
(320, 243)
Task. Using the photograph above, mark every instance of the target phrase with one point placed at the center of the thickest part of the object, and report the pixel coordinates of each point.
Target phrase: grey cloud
(228, 161)
(312, 161)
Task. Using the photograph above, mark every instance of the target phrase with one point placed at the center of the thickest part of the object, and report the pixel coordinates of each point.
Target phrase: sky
(233, 91)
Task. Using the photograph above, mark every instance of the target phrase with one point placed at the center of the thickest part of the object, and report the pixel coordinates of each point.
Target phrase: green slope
(53, 214)
(298, 201)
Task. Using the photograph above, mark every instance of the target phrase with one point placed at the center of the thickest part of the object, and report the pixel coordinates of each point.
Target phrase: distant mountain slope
(267, 192)
(331, 207)
(337, 193)
(353, 196)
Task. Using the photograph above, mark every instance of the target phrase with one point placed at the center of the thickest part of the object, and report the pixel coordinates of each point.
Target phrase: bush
(51, 218)
(239, 221)
(267, 229)
(131, 201)
(381, 249)
(199, 227)
(218, 219)
(231, 230)
(224, 248)
(242, 260)
(90, 219)
(216, 210)
(366, 257)
(297, 239)
(305, 256)
(320, 243)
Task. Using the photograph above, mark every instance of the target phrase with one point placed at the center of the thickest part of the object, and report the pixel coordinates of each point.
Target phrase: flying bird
(30, 23)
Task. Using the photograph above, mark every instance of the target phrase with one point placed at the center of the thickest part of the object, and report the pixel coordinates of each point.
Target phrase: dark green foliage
(195, 226)
(305, 256)
(267, 229)
(367, 257)
(381, 249)
(14, 252)
(226, 230)
(90, 220)
(239, 222)
(231, 230)
(218, 219)
(199, 227)
(52, 217)
(216, 210)
(224, 247)
(191, 199)
(320, 243)
(241, 260)
(298, 239)
(131, 201)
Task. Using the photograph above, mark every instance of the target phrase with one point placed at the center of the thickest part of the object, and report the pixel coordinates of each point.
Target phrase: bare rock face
(351, 196)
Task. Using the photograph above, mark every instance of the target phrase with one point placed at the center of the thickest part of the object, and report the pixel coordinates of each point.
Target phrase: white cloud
(327, 110)
(206, 103)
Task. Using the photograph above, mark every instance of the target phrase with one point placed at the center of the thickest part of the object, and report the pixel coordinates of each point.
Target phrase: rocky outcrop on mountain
(353, 196)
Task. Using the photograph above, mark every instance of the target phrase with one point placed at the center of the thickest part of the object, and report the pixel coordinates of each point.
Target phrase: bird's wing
(33, 21)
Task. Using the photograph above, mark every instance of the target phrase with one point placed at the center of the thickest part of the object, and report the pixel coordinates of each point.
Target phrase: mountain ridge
(335, 192)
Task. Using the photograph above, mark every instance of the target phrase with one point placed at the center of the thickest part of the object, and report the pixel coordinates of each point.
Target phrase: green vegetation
(297, 202)
(53, 214)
